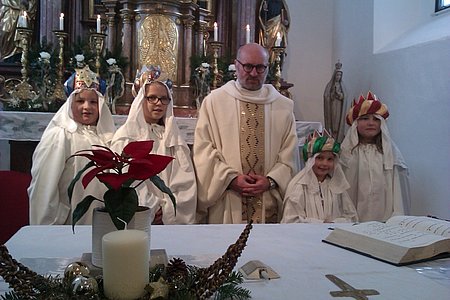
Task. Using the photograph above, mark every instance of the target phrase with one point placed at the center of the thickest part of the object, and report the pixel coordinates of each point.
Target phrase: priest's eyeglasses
(249, 67)
(154, 99)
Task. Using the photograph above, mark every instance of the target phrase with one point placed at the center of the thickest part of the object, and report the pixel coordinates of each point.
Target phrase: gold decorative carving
(158, 44)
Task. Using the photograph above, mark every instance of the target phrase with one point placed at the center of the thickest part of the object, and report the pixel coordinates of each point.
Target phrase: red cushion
(13, 203)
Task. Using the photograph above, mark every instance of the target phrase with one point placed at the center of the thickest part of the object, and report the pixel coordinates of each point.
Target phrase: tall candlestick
(247, 34)
(99, 24)
(278, 41)
(61, 22)
(125, 264)
(215, 32)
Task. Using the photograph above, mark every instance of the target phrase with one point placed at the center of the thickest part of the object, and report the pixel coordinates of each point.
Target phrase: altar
(28, 127)
(295, 251)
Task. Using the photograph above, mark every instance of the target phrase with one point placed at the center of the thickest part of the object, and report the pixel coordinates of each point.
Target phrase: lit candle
(22, 21)
(61, 22)
(278, 41)
(247, 34)
(99, 24)
(215, 32)
(125, 264)
(25, 21)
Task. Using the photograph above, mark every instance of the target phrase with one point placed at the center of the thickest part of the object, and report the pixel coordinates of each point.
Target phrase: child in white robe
(372, 163)
(151, 118)
(318, 193)
(82, 121)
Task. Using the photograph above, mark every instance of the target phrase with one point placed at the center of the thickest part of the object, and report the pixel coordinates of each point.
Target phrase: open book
(400, 240)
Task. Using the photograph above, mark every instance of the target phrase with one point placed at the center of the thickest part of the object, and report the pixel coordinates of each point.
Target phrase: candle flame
(62, 15)
(247, 27)
(98, 17)
(215, 24)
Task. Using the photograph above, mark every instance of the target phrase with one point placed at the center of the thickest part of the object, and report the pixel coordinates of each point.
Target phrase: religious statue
(334, 104)
(274, 21)
(201, 81)
(116, 84)
(10, 11)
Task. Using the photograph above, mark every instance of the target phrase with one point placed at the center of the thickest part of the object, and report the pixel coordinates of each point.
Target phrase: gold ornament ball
(83, 285)
(74, 269)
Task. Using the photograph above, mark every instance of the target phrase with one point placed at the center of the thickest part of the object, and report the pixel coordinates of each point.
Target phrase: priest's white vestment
(217, 158)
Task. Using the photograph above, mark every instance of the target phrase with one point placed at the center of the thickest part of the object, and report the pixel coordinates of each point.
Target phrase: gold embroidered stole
(251, 141)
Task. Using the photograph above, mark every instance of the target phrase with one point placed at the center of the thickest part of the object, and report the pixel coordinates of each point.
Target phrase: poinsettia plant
(118, 172)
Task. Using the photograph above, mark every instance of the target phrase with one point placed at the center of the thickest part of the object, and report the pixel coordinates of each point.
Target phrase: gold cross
(348, 290)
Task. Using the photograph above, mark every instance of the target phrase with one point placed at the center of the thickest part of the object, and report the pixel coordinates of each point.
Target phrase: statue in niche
(158, 44)
(10, 10)
(273, 18)
(334, 104)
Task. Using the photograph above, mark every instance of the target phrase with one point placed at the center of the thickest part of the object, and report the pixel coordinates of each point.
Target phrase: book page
(425, 224)
(395, 234)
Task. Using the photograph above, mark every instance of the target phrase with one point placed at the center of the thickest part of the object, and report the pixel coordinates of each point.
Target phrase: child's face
(85, 107)
(323, 165)
(368, 128)
(154, 108)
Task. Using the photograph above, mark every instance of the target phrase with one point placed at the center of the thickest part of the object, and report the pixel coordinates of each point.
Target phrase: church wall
(309, 63)
(413, 81)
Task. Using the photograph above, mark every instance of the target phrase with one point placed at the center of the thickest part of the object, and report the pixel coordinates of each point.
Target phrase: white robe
(309, 201)
(52, 172)
(179, 175)
(217, 157)
(379, 184)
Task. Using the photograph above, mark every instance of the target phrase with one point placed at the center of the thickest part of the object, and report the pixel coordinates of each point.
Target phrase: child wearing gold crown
(151, 118)
(372, 163)
(318, 193)
(82, 121)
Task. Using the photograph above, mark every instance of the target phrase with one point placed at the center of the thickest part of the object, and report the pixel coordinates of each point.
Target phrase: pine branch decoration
(211, 278)
(23, 280)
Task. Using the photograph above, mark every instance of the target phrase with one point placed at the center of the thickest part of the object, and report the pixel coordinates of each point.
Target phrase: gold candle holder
(278, 52)
(97, 42)
(58, 92)
(215, 47)
(23, 90)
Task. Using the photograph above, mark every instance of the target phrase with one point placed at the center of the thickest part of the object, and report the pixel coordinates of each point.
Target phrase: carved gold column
(278, 52)
(58, 92)
(215, 47)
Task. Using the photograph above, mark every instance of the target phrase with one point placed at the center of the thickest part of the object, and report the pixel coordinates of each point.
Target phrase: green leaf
(81, 209)
(121, 203)
(77, 177)
(159, 183)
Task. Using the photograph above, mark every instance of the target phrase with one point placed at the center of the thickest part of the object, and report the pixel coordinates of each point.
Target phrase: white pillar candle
(216, 32)
(247, 34)
(125, 264)
(278, 41)
(61, 22)
(99, 24)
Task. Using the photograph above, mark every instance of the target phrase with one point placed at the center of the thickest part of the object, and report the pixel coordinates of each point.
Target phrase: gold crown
(85, 77)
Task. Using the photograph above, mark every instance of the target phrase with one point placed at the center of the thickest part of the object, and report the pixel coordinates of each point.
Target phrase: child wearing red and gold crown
(372, 163)
(318, 193)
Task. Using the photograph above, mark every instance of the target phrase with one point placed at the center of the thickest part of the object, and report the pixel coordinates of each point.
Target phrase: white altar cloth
(295, 251)
(29, 126)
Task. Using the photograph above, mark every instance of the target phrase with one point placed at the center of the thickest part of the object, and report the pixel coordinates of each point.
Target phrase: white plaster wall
(414, 81)
(309, 63)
